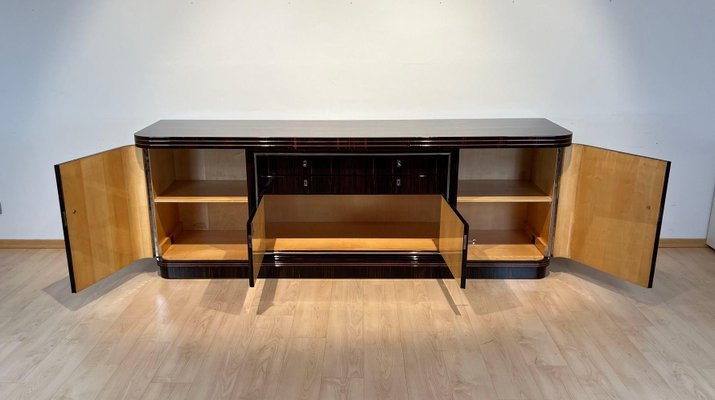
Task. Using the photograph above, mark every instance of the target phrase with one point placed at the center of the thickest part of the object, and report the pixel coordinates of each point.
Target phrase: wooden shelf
(493, 191)
(502, 245)
(204, 192)
(208, 245)
(351, 244)
(503, 252)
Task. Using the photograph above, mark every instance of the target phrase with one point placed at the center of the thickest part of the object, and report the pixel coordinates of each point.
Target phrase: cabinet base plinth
(507, 269)
(351, 266)
(203, 269)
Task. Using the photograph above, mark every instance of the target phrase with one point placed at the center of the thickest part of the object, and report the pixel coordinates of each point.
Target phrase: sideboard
(463, 199)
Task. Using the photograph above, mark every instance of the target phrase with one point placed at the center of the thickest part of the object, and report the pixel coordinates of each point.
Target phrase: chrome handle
(399, 163)
(398, 182)
(305, 183)
(305, 163)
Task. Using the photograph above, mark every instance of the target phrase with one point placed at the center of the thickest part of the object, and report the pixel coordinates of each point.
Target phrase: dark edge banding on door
(251, 179)
(465, 245)
(65, 231)
(150, 195)
(660, 222)
(249, 244)
(555, 200)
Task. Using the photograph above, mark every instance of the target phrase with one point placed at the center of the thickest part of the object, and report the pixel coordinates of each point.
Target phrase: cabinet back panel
(352, 208)
(512, 164)
(535, 165)
(213, 216)
(494, 216)
(196, 164)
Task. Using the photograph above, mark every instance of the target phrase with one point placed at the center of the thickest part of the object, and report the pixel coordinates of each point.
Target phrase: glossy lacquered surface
(354, 135)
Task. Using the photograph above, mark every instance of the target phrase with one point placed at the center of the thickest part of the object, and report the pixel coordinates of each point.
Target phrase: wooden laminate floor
(576, 334)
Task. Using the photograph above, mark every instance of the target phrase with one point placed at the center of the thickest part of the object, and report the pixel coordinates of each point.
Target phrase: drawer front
(352, 174)
(294, 185)
(420, 164)
(411, 184)
(352, 165)
(289, 165)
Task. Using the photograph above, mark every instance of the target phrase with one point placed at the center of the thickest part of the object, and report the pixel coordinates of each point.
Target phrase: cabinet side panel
(615, 212)
(107, 214)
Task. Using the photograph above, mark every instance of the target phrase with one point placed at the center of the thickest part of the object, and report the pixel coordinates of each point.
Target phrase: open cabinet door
(452, 242)
(105, 214)
(610, 208)
(256, 241)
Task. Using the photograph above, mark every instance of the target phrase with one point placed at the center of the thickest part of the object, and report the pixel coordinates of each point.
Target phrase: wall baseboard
(32, 244)
(682, 243)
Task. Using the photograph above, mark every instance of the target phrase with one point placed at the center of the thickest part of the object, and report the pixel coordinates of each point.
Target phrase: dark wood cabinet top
(354, 135)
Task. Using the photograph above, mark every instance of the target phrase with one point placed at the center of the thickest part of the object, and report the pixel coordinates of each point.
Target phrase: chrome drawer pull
(398, 182)
(305, 183)
(399, 163)
(305, 163)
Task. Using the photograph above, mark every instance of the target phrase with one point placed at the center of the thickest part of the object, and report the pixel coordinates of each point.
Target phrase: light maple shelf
(204, 191)
(499, 190)
(502, 245)
(208, 245)
(503, 252)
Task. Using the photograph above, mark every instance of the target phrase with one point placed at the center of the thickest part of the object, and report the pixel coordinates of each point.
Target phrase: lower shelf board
(215, 245)
(352, 244)
(211, 245)
(503, 252)
(206, 252)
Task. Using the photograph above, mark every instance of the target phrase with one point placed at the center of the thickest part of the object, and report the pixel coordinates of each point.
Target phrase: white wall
(78, 77)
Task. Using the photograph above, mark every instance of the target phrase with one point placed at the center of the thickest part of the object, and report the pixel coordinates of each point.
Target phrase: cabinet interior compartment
(347, 223)
(506, 175)
(202, 231)
(508, 231)
(506, 197)
(198, 175)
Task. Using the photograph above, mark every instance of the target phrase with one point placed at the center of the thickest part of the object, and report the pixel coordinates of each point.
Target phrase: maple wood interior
(506, 196)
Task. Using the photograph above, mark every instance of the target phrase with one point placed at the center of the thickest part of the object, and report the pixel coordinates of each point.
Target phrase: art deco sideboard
(480, 198)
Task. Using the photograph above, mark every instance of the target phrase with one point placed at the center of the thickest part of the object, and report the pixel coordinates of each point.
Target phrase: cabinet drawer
(293, 165)
(277, 184)
(420, 164)
(411, 184)
(352, 165)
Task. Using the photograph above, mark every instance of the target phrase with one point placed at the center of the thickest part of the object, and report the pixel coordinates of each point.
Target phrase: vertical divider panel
(452, 243)
(257, 241)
